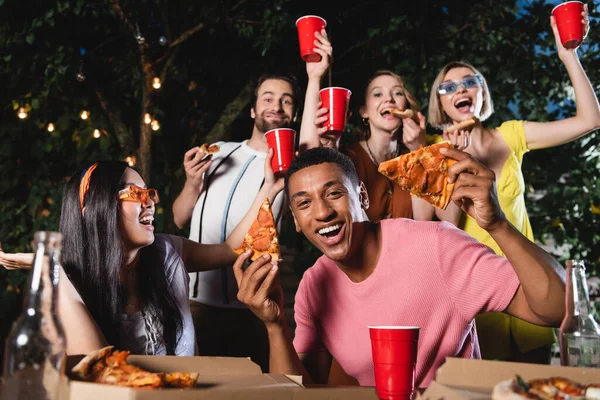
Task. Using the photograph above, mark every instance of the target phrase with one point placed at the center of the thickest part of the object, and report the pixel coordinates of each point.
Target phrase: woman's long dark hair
(94, 252)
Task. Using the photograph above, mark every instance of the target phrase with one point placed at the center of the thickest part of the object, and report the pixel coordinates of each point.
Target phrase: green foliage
(40, 53)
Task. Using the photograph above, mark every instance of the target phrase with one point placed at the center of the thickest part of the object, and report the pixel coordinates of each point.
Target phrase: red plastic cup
(337, 100)
(394, 360)
(307, 26)
(283, 143)
(568, 21)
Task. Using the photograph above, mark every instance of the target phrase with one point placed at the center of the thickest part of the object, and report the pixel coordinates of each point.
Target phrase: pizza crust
(408, 113)
(467, 124)
(83, 369)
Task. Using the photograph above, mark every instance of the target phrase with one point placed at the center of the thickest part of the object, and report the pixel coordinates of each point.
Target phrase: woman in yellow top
(459, 93)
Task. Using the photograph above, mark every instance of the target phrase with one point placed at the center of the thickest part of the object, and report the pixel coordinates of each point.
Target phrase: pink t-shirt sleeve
(477, 279)
(307, 338)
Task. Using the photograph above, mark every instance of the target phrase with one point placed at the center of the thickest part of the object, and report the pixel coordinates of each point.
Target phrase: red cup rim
(336, 87)
(314, 16)
(393, 327)
(280, 129)
(566, 2)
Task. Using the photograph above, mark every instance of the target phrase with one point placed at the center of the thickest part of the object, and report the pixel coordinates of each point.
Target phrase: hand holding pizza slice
(262, 236)
(423, 172)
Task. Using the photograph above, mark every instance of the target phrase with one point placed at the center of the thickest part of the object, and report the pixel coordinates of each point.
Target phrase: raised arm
(309, 131)
(540, 297)
(195, 166)
(204, 257)
(587, 118)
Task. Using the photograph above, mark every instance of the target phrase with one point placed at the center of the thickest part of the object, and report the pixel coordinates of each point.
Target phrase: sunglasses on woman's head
(136, 193)
(468, 82)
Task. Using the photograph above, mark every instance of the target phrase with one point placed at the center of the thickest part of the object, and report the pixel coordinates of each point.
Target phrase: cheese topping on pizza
(262, 236)
(423, 172)
(110, 367)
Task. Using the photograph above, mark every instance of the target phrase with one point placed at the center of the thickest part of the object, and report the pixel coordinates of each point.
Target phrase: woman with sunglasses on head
(459, 93)
(383, 137)
(128, 286)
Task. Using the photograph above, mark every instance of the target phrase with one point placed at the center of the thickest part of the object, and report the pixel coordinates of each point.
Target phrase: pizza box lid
(216, 374)
(460, 378)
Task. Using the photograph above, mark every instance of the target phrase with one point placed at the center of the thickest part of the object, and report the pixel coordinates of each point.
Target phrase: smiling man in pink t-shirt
(397, 272)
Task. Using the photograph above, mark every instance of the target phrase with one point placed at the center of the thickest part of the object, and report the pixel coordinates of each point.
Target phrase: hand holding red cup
(283, 143)
(337, 102)
(394, 360)
(307, 26)
(569, 22)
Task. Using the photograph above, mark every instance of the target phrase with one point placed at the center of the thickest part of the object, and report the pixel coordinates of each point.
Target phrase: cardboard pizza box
(461, 379)
(217, 374)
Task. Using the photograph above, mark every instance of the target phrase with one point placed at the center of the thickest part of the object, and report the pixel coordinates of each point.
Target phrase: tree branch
(232, 111)
(119, 11)
(186, 35)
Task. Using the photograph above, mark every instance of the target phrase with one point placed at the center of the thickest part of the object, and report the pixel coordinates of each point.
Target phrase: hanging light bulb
(80, 75)
(130, 161)
(84, 114)
(50, 127)
(96, 133)
(163, 41)
(138, 34)
(155, 125)
(156, 83)
(147, 118)
(22, 113)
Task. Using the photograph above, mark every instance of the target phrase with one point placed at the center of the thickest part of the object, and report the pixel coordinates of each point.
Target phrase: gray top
(139, 332)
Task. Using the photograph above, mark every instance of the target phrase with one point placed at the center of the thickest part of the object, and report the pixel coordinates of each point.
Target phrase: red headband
(84, 185)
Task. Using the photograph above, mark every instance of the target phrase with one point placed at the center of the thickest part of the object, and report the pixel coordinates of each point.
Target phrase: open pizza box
(221, 375)
(461, 379)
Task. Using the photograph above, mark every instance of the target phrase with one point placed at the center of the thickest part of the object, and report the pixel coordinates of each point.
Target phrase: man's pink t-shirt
(430, 274)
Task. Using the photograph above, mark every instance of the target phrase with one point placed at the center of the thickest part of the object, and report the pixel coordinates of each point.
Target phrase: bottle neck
(43, 283)
(579, 291)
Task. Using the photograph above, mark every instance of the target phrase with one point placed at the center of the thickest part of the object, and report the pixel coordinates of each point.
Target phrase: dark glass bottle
(34, 356)
(579, 333)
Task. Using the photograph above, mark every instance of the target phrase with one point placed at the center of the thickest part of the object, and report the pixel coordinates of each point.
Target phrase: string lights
(154, 125)
(84, 114)
(50, 127)
(147, 118)
(22, 113)
(97, 134)
(156, 83)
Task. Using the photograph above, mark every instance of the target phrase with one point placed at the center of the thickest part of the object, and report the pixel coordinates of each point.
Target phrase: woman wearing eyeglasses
(383, 136)
(128, 286)
(460, 92)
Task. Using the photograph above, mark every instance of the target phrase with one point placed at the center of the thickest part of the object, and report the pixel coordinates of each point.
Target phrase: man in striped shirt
(217, 194)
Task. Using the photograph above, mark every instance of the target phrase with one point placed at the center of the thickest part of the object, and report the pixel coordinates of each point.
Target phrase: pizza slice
(262, 236)
(408, 113)
(555, 387)
(209, 149)
(110, 366)
(464, 125)
(423, 172)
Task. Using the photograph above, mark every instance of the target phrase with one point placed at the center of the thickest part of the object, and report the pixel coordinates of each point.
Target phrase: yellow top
(494, 328)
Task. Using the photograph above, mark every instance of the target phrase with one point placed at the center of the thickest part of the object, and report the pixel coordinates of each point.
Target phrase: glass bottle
(34, 356)
(579, 333)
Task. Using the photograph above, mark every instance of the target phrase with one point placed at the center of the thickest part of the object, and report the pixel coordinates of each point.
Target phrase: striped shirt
(230, 187)
(429, 274)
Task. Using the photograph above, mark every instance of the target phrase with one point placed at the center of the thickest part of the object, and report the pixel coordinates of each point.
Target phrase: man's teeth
(329, 229)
